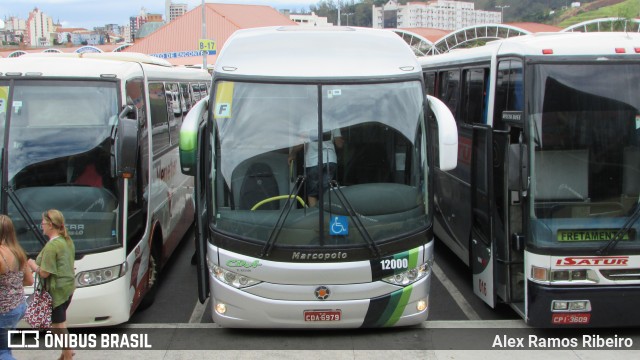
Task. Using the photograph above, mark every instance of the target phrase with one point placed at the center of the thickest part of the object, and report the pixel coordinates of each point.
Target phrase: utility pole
(204, 36)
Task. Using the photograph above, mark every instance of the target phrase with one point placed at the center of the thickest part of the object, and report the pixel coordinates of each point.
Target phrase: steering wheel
(275, 198)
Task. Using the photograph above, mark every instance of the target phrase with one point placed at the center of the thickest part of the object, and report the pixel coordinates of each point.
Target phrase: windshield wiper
(277, 227)
(355, 218)
(31, 225)
(611, 244)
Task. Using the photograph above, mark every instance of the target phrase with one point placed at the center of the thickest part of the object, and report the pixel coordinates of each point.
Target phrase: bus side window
(175, 107)
(430, 83)
(509, 91)
(186, 97)
(159, 117)
(473, 97)
(195, 92)
(449, 90)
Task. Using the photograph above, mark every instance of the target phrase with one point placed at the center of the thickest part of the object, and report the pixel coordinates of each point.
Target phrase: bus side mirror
(188, 145)
(127, 142)
(447, 134)
(518, 167)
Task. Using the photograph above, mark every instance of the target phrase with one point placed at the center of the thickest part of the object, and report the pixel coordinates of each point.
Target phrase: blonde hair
(8, 238)
(56, 219)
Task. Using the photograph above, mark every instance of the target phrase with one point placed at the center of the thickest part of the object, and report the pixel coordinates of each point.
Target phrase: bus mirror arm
(447, 134)
(126, 145)
(518, 167)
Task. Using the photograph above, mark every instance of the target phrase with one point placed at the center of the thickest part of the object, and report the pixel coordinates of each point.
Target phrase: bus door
(482, 219)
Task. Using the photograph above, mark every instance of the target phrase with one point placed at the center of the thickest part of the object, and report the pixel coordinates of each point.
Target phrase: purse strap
(40, 283)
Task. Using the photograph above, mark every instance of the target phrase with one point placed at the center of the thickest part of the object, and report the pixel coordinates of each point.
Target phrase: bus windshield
(272, 139)
(60, 136)
(585, 130)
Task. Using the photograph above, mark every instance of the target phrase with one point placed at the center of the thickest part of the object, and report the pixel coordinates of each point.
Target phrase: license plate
(572, 318)
(322, 315)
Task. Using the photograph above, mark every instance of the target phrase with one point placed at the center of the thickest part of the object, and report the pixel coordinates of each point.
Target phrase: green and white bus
(352, 250)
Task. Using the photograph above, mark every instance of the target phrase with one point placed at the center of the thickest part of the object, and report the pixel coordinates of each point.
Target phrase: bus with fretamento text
(543, 205)
(313, 161)
(96, 137)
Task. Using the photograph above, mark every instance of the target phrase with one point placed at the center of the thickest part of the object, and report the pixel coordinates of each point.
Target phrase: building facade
(14, 30)
(175, 11)
(310, 20)
(440, 14)
(39, 29)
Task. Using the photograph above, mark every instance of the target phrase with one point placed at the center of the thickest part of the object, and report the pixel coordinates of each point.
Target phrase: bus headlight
(100, 276)
(230, 278)
(408, 277)
(545, 275)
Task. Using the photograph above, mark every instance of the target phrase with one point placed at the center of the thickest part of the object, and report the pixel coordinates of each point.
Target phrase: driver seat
(259, 183)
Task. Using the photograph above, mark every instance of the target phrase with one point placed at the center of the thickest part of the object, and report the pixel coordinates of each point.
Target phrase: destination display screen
(592, 235)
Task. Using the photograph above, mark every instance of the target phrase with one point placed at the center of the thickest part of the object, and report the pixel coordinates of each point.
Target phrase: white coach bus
(277, 247)
(96, 136)
(543, 205)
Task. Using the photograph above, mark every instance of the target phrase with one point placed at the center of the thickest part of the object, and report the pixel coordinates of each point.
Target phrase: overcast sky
(91, 13)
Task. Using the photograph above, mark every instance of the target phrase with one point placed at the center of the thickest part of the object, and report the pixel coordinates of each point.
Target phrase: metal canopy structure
(606, 24)
(420, 45)
(479, 34)
(475, 35)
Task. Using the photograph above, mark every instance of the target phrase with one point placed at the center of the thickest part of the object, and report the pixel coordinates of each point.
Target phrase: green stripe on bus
(411, 256)
(400, 305)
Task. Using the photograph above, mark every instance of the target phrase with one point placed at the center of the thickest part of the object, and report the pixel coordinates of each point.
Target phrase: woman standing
(14, 275)
(55, 263)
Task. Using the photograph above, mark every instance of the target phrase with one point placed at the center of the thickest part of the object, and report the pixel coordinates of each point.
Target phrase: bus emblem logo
(322, 293)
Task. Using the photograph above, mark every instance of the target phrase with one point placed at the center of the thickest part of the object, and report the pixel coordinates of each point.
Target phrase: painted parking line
(198, 312)
(455, 293)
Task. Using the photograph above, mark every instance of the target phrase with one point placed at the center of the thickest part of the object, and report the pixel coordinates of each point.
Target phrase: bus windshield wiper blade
(277, 227)
(355, 218)
(31, 225)
(611, 244)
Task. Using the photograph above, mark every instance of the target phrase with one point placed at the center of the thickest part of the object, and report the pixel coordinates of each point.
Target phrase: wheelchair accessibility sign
(339, 226)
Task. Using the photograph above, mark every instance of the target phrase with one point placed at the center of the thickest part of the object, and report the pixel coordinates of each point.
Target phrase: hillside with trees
(553, 12)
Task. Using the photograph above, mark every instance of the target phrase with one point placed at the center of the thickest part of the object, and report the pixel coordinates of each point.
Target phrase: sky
(91, 13)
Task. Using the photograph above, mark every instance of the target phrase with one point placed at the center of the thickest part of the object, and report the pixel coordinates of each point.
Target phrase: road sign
(207, 45)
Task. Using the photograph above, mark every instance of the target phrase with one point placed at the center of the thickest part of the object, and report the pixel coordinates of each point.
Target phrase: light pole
(502, 7)
(347, 15)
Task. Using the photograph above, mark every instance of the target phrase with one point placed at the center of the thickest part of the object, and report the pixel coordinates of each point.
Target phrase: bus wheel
(152, 281)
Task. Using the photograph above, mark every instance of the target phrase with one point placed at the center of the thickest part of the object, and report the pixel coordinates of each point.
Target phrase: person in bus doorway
(14, 275)
(55, 264)
(330, 141)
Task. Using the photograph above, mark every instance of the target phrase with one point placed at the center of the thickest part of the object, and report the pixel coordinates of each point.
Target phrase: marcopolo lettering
(335, 255)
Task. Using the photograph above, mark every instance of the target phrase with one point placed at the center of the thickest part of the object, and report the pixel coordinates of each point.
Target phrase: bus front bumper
(244, 310)
(610, 306)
